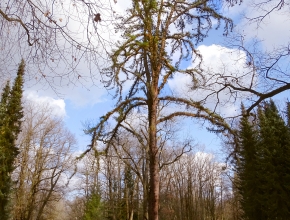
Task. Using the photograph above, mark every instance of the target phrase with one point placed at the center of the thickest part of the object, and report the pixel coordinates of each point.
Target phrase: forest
(149, 59)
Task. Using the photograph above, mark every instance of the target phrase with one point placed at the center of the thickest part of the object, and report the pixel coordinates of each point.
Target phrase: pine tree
(10, 124)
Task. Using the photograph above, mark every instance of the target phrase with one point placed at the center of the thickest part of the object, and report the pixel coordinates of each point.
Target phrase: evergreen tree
(93, 207)
(10, 122)
(248, 169)
(263, 165)
(275, 142)
(3, 102)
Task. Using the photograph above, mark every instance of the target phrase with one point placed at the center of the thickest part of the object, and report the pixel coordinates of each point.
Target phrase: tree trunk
(154, 184)
(153, 152)
(145, 170)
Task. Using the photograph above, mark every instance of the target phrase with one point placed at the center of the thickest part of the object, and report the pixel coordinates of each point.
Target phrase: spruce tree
(247, 168)
(93, 207)
(10, 124)
(263, 165)
(3, 102)
(275, 142)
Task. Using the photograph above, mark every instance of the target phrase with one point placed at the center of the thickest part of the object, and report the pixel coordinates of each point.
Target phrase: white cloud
(272, 31)
(217, 61)
(57, 105)
(72, 74)
(122, 5)
(80, 93)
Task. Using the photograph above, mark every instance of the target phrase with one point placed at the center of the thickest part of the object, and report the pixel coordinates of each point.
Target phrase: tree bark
(153, 151)
(145, 188)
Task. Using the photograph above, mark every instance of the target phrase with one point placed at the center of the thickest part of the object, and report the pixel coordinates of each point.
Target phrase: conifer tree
(10, 122)
(264, 165)
(288, 114)
(93, 207)
(275, 165)
(247, 167)
(3, 102)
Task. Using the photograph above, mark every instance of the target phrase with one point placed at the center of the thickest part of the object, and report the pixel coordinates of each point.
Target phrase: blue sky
(87, 102)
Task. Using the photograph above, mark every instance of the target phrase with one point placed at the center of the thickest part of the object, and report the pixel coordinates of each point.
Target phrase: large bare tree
(153, 33)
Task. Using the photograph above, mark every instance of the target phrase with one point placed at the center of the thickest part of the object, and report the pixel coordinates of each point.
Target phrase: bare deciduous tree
(194, 187)
(155, 31)
(44, 164)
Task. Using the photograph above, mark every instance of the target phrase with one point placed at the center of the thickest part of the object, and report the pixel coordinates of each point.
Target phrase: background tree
(91, 187)
(144, 59)
(75, 208)
(44, 164)
(10, 125)
(195, 187)
(93, 207)
(248, 169)
(275, 144)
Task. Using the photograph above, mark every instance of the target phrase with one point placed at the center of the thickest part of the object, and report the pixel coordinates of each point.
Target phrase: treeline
(195, 186)
(254, 185)
(42, 178)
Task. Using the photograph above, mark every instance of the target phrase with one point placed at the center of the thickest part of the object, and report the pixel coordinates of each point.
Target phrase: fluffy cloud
(57, 105)
(272, 31)
(217, 61)
(82, 93)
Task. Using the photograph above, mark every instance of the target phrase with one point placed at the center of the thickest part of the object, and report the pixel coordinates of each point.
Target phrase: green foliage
(248, 169)
(263, 165)
(128, 178)
(10, 124)
(93, 209)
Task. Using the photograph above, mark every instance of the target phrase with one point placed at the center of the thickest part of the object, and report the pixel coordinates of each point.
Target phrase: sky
(79, 104)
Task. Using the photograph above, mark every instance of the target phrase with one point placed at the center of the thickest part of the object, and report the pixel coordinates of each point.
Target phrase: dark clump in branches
(97, 18)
